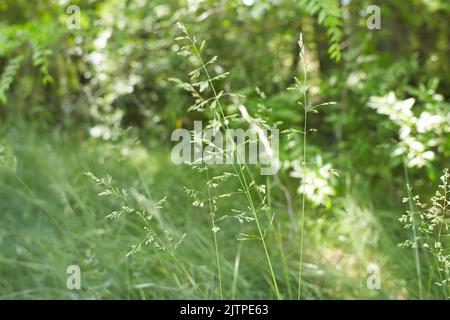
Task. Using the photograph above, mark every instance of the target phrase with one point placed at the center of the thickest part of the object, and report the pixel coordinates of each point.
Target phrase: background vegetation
(99, 99)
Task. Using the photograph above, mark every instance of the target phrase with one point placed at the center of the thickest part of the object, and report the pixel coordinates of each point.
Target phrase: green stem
(302, 218)
(414, 230)
(213, 224)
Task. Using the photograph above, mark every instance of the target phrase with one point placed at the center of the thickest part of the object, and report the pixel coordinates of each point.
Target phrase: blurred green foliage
(108, 82)
(116, 66)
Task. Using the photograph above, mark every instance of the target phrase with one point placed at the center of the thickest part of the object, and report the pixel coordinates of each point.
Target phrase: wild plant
(157, 235)
(301, 85)
(201, 80)
(209, 99)
(430, 224)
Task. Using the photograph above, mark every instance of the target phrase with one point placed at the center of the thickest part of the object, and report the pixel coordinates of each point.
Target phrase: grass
(304, 159)
(240, 170)
(141, 227)
(52, 217)
(429, 225)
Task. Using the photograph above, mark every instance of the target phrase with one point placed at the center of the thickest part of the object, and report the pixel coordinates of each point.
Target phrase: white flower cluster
(418, 135)
(319, 181)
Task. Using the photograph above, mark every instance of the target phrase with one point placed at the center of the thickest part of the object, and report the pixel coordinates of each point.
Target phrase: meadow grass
(133, 221)
(52, 217)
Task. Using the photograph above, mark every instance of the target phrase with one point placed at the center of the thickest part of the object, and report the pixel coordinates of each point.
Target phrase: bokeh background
(98, 99)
